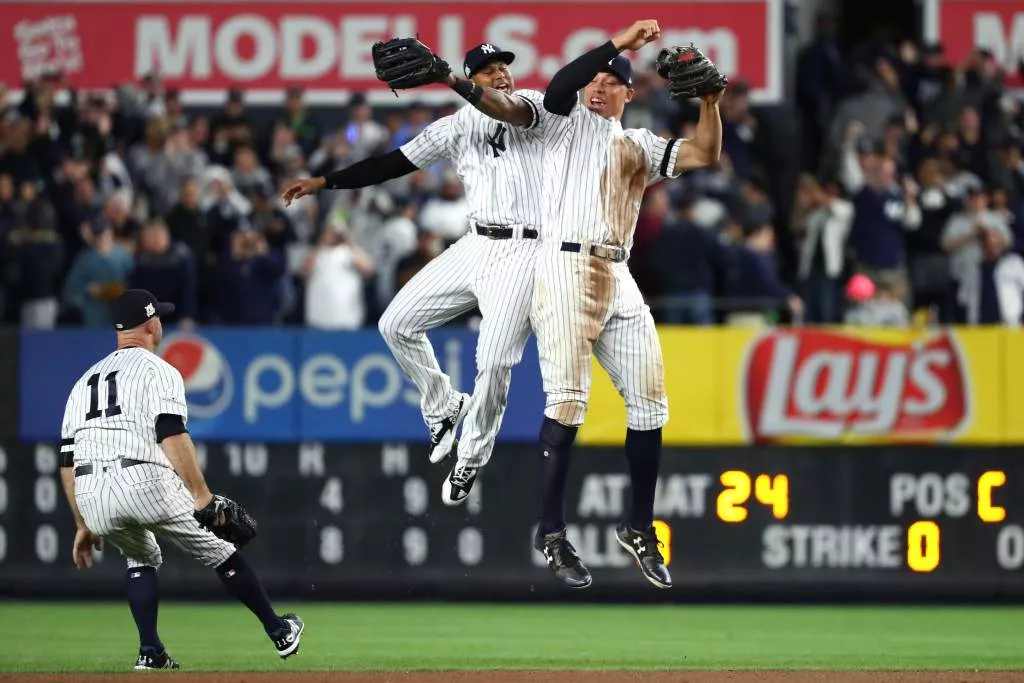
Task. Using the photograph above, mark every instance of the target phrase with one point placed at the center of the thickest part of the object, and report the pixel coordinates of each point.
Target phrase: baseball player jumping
(585, 300)
(130, 474)
(498, 155)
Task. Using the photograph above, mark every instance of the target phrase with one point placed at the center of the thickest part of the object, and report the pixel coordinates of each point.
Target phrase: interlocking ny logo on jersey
(496, 140)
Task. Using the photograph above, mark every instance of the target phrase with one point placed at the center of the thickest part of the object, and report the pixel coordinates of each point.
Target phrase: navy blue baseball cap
(621, 67)
(483, 53)
(137, 307)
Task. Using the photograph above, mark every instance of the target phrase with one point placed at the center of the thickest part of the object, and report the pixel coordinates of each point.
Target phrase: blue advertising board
(277, 385)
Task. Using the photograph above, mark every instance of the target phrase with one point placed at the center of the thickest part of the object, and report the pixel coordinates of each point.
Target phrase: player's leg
(630, 351)
(505, 299)
(142, 589)
(100, 499)
(171, 517)
(440, 292)
(572, 297)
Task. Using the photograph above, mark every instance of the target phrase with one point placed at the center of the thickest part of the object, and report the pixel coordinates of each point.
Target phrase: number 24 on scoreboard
(771, 491)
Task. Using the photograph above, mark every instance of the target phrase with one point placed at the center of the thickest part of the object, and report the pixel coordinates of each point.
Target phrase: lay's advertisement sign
(831, 385)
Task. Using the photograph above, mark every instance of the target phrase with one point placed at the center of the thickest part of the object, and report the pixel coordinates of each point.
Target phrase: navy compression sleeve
(372, 171)
(561, 94)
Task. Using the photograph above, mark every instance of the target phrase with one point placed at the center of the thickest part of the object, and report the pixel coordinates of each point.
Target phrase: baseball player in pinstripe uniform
(130, 474)
(585, 301)
(498, 155)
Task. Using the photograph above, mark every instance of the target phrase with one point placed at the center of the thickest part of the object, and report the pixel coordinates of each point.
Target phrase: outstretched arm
(705, 147)
(561, 94)
(371, 171)
(431, 145)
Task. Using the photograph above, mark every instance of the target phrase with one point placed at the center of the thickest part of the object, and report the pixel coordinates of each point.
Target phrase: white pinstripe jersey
(596, 176)
(501, 166)
(112, 409)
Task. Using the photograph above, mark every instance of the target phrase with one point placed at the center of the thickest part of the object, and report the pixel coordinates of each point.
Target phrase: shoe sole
(629, 549)
(444, 446)
(294, 648)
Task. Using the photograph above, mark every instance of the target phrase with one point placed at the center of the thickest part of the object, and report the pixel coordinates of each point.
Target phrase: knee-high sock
(643, 451)
(144, 600)
(242, 583)
(555, 444)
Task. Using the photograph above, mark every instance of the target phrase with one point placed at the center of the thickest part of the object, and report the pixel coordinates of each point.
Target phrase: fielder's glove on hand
(238, 527)
(689, 72)
(407, 63)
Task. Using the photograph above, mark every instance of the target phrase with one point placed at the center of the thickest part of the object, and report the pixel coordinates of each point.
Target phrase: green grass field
(46, 637)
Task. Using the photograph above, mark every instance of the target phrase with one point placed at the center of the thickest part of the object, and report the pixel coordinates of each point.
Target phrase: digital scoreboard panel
(345, 521)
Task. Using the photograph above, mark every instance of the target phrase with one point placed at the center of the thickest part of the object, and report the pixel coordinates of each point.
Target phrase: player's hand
(637, 35)
(301, 188)
(85, 542)
(713, 98)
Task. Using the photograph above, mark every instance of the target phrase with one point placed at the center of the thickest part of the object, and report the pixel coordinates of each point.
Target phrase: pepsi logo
(209, 385)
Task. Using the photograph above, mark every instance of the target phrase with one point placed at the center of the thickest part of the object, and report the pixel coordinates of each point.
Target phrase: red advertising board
(963, 25)
(205, 48)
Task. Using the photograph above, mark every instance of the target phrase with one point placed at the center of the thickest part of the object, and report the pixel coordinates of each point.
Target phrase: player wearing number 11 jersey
(130, 474)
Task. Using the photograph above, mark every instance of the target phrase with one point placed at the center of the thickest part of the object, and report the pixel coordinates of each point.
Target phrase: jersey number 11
(94, 397)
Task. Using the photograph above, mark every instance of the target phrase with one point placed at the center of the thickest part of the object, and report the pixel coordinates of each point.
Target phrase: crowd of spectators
(907, 202)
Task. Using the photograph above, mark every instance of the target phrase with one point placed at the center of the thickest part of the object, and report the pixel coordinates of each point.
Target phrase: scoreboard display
(348, 521)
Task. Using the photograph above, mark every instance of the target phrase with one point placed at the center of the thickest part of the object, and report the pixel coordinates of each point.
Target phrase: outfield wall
(914, 492)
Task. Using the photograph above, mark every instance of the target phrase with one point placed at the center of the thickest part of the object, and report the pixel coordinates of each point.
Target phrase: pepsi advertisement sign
(275, 385)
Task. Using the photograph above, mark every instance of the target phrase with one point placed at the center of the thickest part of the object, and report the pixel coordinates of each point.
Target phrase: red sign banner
(205, 48)
(964, 25)
(823, 384)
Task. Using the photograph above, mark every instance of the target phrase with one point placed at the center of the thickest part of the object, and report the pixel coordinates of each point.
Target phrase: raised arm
(561, 93)
(705, 147)
(511, 109)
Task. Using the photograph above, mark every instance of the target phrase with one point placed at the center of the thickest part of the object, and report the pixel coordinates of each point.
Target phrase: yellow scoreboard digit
(770, 491)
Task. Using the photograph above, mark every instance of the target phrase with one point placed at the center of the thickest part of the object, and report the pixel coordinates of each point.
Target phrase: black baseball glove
(689, 72)
(237, 525)
(407, 63)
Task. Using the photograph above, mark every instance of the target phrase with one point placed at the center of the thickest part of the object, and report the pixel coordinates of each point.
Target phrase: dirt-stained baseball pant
(132, 506)
(583, 305)
(497, 276)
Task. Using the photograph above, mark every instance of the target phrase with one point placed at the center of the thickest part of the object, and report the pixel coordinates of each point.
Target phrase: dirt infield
(546, 676)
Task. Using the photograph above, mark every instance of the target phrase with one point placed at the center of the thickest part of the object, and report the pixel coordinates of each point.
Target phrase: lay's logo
(836, 386)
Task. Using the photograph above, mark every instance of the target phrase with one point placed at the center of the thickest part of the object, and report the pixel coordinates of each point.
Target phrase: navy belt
(82, 470)
(500, 232)
(604, 251)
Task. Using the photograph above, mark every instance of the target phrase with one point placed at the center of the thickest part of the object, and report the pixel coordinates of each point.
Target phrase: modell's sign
(205, 48)
(829, 385)
(964, 25)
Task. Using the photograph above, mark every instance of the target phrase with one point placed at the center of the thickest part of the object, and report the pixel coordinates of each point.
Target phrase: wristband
(468, 90)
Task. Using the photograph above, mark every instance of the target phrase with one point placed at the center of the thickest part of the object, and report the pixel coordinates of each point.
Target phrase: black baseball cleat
(151, 660)
(455, 489)
(643, 546)
(286, 639)
(562, 559)
(442, 434)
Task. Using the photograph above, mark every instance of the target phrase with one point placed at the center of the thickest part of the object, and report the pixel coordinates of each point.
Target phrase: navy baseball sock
(555, 444)
(643, 451)
(242, 583)
(144, 599)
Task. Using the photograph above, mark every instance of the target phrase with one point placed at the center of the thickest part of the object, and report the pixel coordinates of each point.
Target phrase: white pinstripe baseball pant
(131, 506)
(583, 305)
(497, 276)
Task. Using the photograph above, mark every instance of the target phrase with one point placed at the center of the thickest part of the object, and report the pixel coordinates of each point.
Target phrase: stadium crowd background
(889, 191)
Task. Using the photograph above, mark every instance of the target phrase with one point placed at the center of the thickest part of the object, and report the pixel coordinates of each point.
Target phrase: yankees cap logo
(150, 310)
(488, 48)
